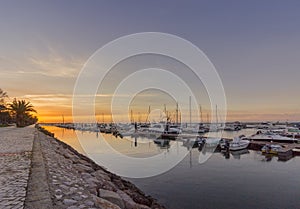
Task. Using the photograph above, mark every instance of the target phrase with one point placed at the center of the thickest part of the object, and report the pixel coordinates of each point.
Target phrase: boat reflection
(162, 143)
(237, 154)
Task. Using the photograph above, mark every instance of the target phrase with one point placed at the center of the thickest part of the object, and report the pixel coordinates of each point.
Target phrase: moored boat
(238, 143)
(271, 149)
(270, 136)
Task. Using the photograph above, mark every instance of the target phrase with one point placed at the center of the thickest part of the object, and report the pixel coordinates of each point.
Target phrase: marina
(208, 170)
(149, 104)
(160, 133)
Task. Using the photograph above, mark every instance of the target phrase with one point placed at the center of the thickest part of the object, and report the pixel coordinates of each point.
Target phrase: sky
(254, 46)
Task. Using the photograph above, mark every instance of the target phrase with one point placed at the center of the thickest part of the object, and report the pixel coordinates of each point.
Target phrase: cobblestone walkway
(15, 160)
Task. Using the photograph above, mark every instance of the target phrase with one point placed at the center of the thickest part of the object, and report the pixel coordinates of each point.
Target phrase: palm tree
(4, 116)
(3, 94)
(20, 109)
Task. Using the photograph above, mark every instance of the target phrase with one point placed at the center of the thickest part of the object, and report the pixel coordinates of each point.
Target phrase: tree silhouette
(20, 109)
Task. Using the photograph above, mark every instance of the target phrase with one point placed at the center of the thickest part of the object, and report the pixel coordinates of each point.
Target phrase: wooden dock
(289, 149)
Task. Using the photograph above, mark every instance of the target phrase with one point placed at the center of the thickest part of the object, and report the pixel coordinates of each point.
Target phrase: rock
(143, 206)
(101, 172)
(64, 187)
(83, 162)
(108, 185)
(86, 175)
(92, 190)
(111, 197)
(89, 203)
(101, 176)
(84, 196)
(68, 183)
(69, 202)
(102, 203)
(91, 180)
(72, 207)
(138, 198)
(91, 185)
(129, 203)
(73, 189)
(119, 184)
(83, 168)
(77, 197)
(68, 155)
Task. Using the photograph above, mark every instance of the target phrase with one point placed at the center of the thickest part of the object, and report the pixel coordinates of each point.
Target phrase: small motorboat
(271, 149)
(238, 143)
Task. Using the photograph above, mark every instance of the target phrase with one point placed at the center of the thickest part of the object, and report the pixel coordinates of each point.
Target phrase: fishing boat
(238, 143)
(271, 148)
(271, 136)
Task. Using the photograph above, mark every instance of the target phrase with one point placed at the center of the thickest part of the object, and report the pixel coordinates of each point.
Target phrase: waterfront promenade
(15, 161)
(38, 171)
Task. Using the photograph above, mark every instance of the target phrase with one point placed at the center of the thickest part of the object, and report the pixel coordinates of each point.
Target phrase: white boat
(271, 136)
(190, 130)
(238, 143)
(156, 128)
(130, 132)
(229, 128)
(172, 129)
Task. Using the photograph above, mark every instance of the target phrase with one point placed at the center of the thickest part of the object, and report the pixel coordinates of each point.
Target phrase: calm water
(244, 180)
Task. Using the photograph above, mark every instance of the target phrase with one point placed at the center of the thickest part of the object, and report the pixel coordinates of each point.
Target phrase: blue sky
(254, 45)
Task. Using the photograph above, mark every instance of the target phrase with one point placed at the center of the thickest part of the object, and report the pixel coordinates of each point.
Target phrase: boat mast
(217, 114)
(207, 118)
(149, 111)
(131, 117)
(201, 119)
(139, 117)
(166, 112)
(176, 113)
(190, 106)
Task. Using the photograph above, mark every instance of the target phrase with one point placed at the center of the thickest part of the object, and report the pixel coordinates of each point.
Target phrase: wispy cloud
(61, 97)
(48, 62)
(54, 64)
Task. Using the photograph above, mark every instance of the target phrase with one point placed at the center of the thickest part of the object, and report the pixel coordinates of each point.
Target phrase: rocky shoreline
(75, 181)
